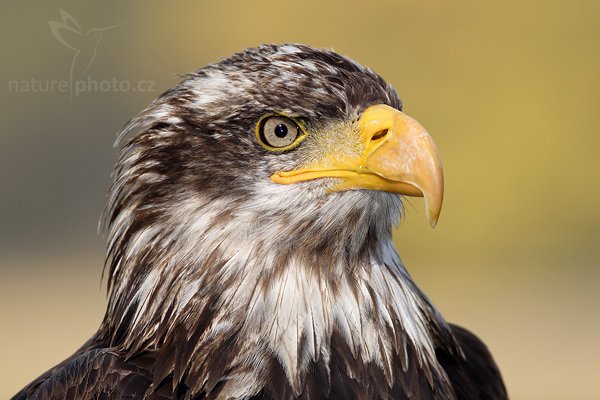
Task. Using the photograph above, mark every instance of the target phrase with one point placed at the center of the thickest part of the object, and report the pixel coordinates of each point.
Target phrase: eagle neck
(231, 298)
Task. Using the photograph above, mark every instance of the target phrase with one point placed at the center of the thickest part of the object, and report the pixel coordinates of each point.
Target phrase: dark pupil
(281, 131)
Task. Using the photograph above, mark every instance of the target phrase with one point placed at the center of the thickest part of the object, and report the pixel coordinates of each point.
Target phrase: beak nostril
(380, 134)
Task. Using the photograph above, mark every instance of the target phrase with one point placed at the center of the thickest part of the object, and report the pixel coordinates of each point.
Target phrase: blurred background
(510, 90)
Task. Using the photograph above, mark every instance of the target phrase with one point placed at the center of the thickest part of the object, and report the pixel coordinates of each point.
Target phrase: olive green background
(510, 91)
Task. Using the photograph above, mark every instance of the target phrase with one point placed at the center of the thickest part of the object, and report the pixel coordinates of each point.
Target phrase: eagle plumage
(242, 264)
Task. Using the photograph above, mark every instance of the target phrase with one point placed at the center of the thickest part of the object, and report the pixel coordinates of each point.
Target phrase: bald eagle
(250, 250)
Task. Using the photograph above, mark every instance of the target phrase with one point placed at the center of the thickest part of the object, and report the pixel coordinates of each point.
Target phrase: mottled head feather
(243, 287)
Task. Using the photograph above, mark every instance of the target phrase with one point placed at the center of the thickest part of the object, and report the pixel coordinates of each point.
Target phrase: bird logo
(84, 43)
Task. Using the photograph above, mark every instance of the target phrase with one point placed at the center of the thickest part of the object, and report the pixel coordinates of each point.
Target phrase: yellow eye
(278, 133)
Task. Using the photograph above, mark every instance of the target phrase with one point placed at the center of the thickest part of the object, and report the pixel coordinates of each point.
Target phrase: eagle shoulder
(476, 375)
(97, 374)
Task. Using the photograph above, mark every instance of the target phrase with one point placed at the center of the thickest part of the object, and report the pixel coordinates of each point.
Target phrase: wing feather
(476, 376)
(95, 374)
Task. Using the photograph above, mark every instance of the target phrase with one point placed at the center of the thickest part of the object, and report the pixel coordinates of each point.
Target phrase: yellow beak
(396, 155)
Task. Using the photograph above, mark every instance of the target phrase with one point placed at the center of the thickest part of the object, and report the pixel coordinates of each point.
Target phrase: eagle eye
(279, 133)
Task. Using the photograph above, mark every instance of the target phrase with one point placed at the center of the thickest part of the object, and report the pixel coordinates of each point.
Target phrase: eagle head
(250, 226)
